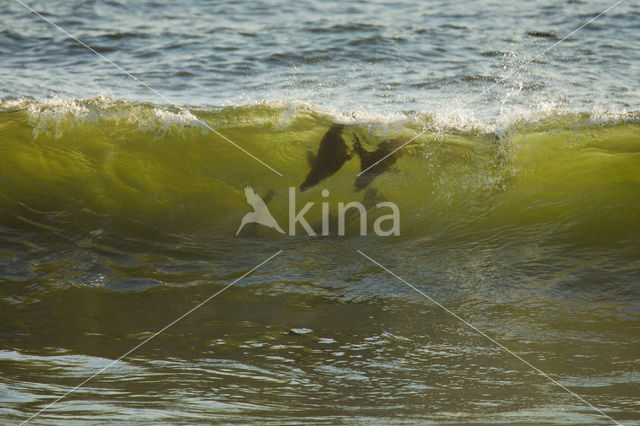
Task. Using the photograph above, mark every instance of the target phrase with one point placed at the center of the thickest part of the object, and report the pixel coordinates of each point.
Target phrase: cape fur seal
(333, 153)
(367, 160)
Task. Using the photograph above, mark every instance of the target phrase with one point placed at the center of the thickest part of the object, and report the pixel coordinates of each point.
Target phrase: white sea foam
(57, 116)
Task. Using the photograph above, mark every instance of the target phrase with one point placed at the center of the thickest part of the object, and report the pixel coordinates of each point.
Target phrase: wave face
(116, 218)
(102, 162)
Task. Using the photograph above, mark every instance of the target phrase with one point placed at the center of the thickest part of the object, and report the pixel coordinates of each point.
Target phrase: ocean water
(519, 200)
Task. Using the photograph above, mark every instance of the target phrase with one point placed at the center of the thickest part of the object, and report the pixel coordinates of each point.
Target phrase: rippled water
(520, 213)
(374, 56)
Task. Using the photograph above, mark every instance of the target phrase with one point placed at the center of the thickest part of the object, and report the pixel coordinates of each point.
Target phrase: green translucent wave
(110, 162)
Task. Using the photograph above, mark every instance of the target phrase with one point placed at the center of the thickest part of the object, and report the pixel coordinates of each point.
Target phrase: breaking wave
(82, 165)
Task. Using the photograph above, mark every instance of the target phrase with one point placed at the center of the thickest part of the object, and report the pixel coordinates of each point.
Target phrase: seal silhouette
(333, 153)
(384, 156)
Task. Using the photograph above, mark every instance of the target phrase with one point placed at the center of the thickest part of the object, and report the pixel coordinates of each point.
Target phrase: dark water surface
(520, 212)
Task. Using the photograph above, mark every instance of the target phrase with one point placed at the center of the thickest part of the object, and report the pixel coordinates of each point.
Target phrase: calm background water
(110, 231)
(380, 57)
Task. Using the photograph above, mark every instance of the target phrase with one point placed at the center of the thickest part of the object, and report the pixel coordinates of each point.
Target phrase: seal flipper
(365, 156)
